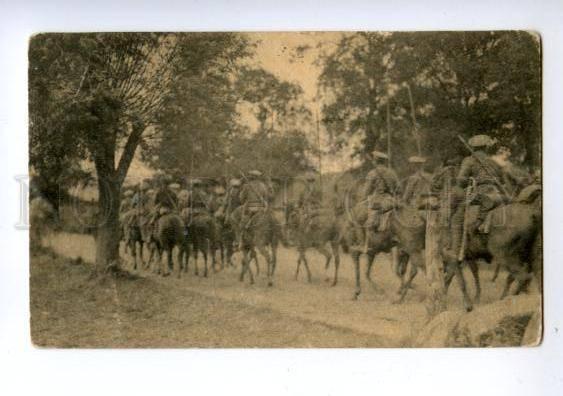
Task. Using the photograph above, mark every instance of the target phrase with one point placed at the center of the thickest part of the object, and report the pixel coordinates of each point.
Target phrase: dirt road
(373, 320)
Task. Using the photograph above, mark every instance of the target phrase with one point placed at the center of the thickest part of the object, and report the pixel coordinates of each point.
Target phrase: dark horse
(200, 235)
(320, 232)
(258, 231)
(168, 232)
(405, 231)
(513, 243)
(133, 235)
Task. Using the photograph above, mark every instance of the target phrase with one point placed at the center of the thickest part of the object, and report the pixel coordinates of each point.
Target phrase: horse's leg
(306, 264)
(497, 270)
(244, 264)
(204, 254)
(523, 285)
(264, 252)
(356, 259)
(468, 306)
(254, 257)
(179, 259)
(274, 259)
(370, 260)
(328, 257)
(141, 247)
(299, 258)
(449, 275)
(415, 263)
(509, 281)
(474, 267)
(133, 250)
(195, 248)
(336, 254)
(401, 268)
(213, 252)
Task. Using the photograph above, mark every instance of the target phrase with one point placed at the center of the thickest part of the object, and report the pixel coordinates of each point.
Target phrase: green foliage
(461, 83)
(203, 129)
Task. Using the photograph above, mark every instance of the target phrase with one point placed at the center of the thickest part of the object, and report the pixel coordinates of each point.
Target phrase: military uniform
(381, 185)
(199, 200)
(417, 187)
(255, 195)
(309, 203)
(483, 175)
(232, 199)
(165, 201)
(486, 174)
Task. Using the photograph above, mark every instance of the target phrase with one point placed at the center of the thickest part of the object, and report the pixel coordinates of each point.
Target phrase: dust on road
(373, 319)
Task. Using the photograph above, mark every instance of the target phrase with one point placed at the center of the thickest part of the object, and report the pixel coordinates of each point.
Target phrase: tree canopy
(437, 85)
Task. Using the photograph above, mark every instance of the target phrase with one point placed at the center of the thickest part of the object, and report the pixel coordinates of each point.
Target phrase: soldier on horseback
(418, 185)
(232, 199)
(198, 200)
(165, 200)
(381, 185)
(485, 173)
(255, 198)
(309, 202)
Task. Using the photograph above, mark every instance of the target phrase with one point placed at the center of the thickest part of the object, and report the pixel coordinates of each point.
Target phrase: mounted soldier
(165, 200)
(309, 202)
(381, 185)
(232, 199)
(255, 194)
(418, 185)
(198, 201)
(486, 175)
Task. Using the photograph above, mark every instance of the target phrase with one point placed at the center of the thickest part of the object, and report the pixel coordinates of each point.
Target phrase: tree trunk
(108, 231)
(436, 301)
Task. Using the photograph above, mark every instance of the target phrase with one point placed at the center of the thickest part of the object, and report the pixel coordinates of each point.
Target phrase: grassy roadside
(70, 309)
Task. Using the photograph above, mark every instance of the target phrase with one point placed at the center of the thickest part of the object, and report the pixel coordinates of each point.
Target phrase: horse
(200, 236)
(168, 232)
(321, 232)
(403, 234)
(257, 231)
(133, 235)
(513, 243)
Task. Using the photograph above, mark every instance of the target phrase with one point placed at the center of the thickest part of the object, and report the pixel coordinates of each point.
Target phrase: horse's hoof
(356, 296)
(270, 284)
(164, 275)
(468, 307)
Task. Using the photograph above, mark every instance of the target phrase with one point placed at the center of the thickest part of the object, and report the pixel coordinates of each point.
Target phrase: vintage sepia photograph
(285, 189)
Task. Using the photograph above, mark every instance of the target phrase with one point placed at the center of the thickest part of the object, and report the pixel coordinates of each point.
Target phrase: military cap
(197, 182)
(416, 159)
(481, 141)
(219, 190)
(235, 182)
(376, 154)
(255, 173)
(127, 193)
(174, 186)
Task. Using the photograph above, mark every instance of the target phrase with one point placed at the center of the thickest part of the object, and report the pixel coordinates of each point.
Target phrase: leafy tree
(105, 90)
(437, 85)
(203, 129)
